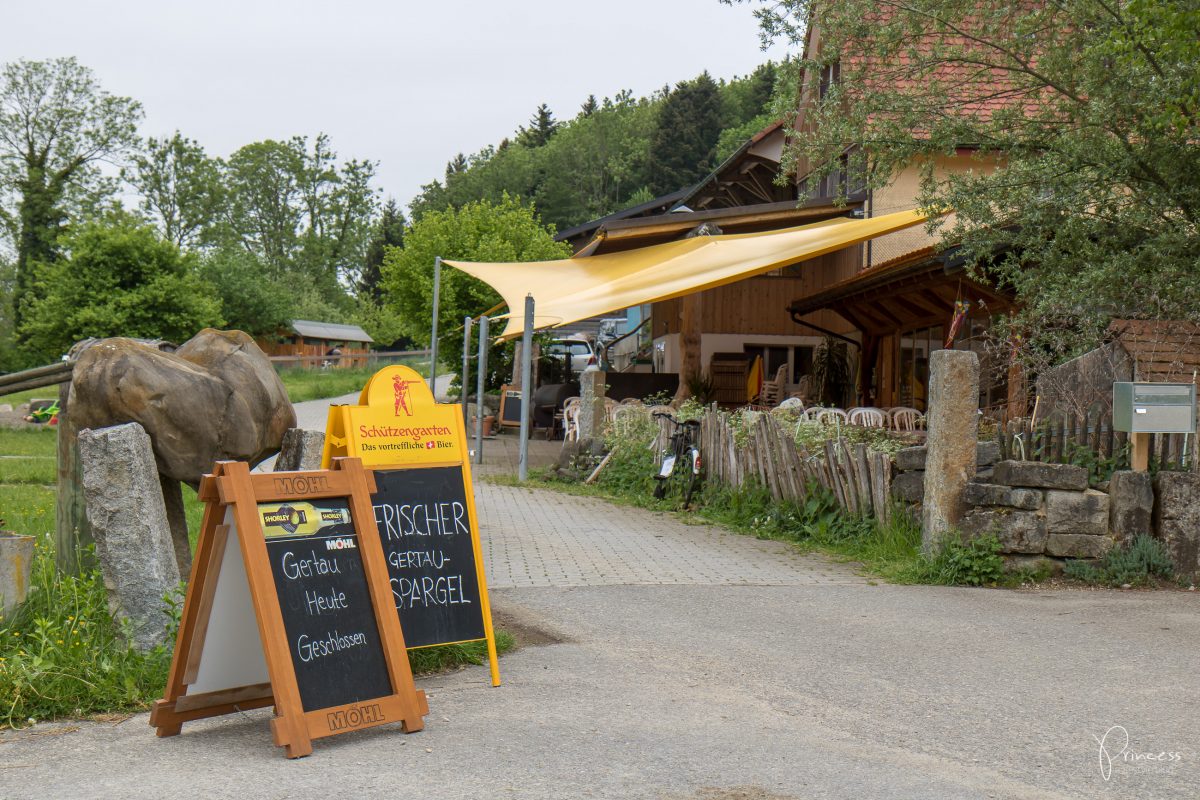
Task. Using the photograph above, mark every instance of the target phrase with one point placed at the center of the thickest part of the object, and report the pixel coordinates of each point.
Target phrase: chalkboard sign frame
(398, 426)
(233, 494)
(510, 407)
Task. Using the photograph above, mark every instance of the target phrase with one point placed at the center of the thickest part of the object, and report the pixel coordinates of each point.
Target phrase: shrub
(1144, 558)
(975, 562)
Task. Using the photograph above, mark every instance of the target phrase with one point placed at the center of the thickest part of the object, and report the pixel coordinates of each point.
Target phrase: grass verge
(317, 384)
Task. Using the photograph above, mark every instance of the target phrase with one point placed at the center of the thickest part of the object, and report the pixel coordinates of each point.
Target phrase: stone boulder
(129, 521)
(988, 494)
(1036, 475)
(1077, 512)
(1177, 518)
(217, 397)
(1018, 531)
(1131, 505)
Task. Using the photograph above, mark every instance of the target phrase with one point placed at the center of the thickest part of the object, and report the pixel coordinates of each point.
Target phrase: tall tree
(683, 147)
(1084, 117)
(300, 211)
(56, 126)
(389, 232)
(180, 188)
(541, 127)
(589, 106)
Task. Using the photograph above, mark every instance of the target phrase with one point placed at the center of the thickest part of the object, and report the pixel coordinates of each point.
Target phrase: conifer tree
(684, 142)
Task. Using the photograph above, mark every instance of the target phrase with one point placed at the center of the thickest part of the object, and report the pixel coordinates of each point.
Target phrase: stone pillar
(129, 522)
(953, 424)
(591, 404)
(301, 450)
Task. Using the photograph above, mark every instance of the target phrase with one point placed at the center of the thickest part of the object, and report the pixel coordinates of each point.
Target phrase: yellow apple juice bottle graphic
(299, 518)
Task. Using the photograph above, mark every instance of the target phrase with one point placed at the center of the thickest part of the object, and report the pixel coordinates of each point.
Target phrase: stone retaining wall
(1047, 513)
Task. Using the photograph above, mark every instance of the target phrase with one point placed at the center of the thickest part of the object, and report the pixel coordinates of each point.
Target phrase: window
(830, 75)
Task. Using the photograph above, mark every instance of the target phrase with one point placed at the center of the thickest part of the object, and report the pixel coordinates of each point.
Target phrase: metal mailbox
(1154, 407)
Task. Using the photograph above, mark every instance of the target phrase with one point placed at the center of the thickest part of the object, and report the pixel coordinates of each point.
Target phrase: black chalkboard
(425, 529)
(510, 406)
(327, 612)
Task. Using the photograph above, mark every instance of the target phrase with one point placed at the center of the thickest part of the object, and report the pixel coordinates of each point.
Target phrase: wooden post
(1139, 453)
(72, 534)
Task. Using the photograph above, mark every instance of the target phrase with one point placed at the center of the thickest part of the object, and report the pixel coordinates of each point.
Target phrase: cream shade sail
(572, 289)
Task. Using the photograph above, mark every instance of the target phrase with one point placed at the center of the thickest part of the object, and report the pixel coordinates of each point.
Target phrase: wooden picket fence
(859, 479)
(1064, 438)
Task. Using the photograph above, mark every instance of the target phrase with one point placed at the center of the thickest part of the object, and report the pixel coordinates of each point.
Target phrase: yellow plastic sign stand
(413, 443)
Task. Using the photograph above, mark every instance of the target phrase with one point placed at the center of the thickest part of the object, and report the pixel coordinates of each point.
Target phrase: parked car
(577, 349)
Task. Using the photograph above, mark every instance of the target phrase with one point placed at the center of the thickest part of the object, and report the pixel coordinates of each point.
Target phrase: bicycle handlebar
(694, 422)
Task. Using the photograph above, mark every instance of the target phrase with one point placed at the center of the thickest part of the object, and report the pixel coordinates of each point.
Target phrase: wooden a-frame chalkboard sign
(289, 605)
(424, 506)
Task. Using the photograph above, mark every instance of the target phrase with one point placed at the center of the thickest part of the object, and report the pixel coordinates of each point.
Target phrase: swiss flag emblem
(429, 445)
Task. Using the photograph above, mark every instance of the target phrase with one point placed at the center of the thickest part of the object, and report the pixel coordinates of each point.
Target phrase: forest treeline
(107, 233)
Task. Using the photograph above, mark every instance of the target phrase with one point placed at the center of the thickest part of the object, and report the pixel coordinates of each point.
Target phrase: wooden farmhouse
(891, 300)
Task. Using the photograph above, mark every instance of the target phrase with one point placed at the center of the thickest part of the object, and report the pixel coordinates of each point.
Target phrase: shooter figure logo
(400, 387)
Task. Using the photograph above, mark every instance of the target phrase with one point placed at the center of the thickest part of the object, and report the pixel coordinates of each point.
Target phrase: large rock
(301, 450)
(909, 487)
(1018, 531)
(1130, 505)
(953, 422)
(1037, 475)
(1176, 518)
(1077, 545)
(909, 458)
(1077, 512)
(129, 522)
(217, 397)
(989, 494)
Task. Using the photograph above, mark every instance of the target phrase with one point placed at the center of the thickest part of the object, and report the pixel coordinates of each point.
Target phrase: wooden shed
(317, 343)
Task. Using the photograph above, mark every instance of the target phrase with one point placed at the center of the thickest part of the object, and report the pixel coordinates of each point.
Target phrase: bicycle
(681, 460)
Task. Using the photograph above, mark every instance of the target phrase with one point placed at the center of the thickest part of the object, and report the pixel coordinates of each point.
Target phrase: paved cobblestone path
(536, 537)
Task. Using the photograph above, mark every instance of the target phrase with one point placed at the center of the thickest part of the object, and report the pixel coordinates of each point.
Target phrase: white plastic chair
(830, 416)
(867, 418)
(907, 419)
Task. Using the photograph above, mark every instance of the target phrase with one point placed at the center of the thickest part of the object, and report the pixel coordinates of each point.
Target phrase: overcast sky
(404, 83)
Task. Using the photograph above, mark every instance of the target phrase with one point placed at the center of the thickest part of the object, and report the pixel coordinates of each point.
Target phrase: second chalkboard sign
(326, 604)
(423, 522)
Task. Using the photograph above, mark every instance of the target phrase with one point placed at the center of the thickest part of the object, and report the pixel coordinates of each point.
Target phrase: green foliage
(1136, 564)
(976, 562)
(812, 435)
(301, 211)
(251, 301)
(831, 371)
(702, 387)
(61, 655)
(389, 232)
(540, 129)
(684, 143)
(56, 126)
(180, 188)
(596, 163)
(120, 279)
(1095, 195)
(482, 231)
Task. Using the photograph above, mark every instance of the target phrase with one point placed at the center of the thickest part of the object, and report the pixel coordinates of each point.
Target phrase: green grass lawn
(317, 384)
